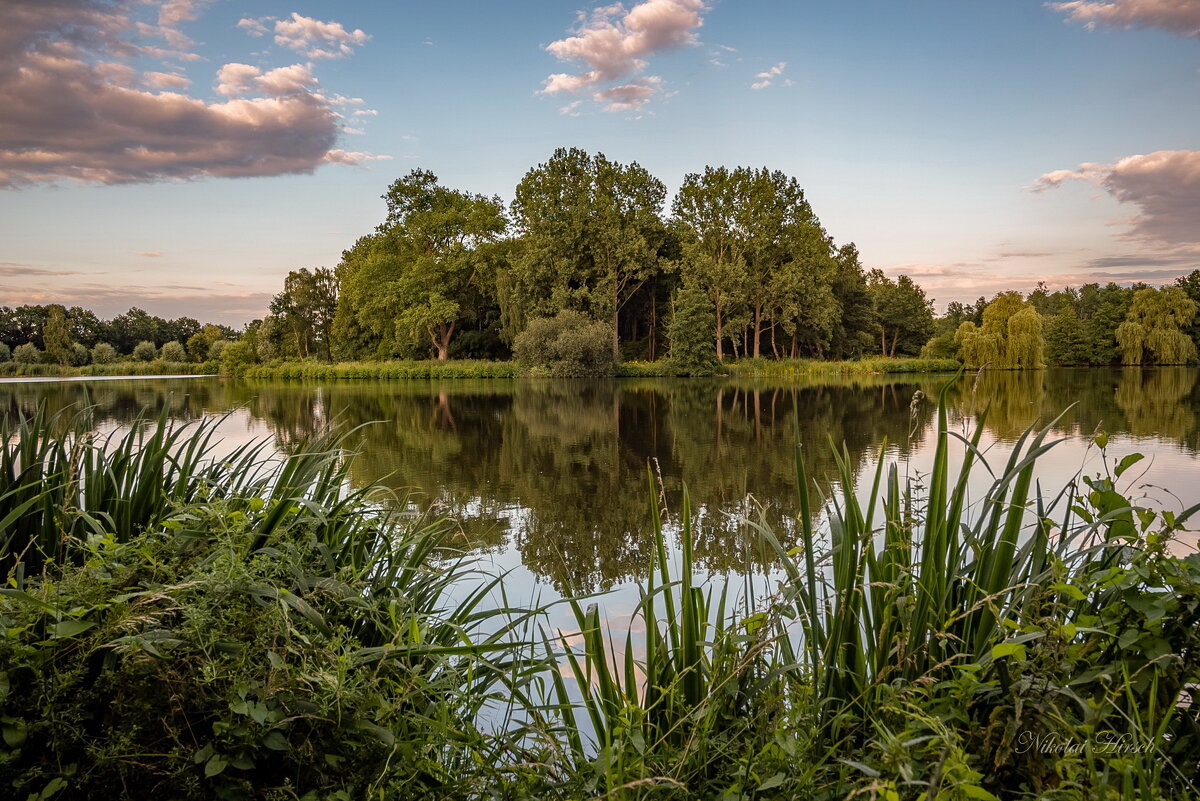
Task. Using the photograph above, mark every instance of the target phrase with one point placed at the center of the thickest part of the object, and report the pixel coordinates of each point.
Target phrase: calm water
(550, 477)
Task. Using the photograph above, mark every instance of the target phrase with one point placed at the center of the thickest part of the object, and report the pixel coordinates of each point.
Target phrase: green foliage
(145, 352)
(305, 308)
(590, 234)
(1009, 339)
(904, 314)
(233, 627)
(173, 352)
(568, 345)
(104, 353)
(5, 353)
(215, 350)
(783, 368)
(1066, 336)
(427, 271)
(56, 337)
(80, 355)
(27, 353)
(1155, 330)
(690, 332)
(237, 357)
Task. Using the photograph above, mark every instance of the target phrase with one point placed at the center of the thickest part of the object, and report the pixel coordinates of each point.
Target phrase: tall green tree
(428, 268)
(306, 307)
(904, 314)
(1190, 284)
(690, 331)
(56, 336)
(1154, 332)
(590, 233)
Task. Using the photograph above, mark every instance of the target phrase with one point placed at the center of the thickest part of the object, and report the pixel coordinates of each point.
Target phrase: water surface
(550, 477)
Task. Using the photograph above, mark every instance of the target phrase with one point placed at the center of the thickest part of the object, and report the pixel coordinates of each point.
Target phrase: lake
(549, 478)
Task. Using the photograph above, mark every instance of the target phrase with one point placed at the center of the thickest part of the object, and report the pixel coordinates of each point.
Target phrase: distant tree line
(55, 334)
(1091, 325)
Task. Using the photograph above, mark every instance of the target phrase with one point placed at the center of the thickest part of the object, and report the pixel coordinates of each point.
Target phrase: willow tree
(1010, 338)
(1155, 330)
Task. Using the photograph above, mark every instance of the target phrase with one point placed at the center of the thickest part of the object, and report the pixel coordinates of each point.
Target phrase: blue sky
(153, 157)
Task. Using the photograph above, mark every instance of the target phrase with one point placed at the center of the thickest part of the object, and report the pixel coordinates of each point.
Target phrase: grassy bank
(195, 624)
(129, 368)
(312, 370)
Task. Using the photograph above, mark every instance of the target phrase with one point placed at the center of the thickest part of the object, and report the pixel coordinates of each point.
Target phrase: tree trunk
(757, 328)
(882, 341)
(616, 342)
(774, 349)
(441, 341)
(895, 339)
(651, 350)
(720, 344)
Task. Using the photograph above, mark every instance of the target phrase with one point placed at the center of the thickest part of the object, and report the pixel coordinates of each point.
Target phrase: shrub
(103, 353)
(568, 345)
(145, 352)
(173, 352)
(5, 353)
(236, 357)
(214, 350)
(79, 355)
(27, 353)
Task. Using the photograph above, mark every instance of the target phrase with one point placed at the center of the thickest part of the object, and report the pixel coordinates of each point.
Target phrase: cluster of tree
(56, 334)
(1092, 325)
(452, 274)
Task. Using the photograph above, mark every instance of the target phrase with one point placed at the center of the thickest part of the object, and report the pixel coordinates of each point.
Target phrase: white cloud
(768, 76)
(630, 96)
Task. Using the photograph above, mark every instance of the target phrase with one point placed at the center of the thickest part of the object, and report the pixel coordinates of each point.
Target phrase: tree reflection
(557, 470)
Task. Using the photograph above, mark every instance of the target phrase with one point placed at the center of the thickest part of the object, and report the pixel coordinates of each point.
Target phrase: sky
(183, 155)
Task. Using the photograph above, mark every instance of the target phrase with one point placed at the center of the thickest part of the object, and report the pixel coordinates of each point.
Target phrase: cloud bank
(1164, 186)
(1177, 16)
(75, 110)
(615, 43)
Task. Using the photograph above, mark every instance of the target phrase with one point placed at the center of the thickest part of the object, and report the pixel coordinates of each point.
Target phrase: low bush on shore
(187, 623)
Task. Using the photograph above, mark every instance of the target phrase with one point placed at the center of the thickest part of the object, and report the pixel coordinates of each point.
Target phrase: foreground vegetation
(199, 624)
(128, 368)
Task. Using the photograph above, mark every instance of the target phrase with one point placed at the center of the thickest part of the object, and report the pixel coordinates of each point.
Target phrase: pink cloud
(317, 39)
(72, 113)
(615, 43)
(1176, 16)
(629, 97)
(1164, 186)
(166, 80)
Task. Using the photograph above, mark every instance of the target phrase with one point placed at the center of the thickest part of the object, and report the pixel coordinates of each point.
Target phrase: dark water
(550, 477)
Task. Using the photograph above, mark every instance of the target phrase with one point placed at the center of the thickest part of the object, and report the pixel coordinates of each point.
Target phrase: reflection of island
(557, 470)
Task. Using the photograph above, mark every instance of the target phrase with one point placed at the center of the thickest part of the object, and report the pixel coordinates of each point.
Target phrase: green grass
(203, 624)
(811, 367)
(322, 371)
(126, 368)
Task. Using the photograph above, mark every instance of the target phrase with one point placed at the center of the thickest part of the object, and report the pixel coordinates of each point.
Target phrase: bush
(79, 355)
(5, 353)
(27, 354)
(103, 353)
(569, 345)
(174, 352)
(145, 352)
(236, 357)
(215, 350)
